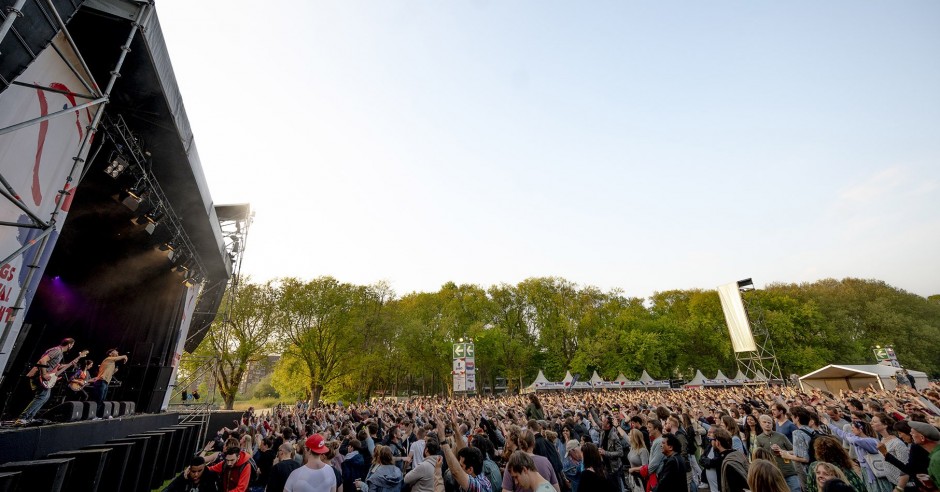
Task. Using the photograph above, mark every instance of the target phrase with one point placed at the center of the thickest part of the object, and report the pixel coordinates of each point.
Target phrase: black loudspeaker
(104, 409)
(89, 410)
(127, 407)
(70, 411)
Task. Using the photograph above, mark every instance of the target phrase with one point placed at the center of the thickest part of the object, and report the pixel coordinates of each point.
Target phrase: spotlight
(170, 248)
(191, 279)
(117, 165)
(152, 219)
(132, 198)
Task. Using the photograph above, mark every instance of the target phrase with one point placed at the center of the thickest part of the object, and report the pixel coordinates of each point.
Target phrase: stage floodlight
(152, 219)
(170, 248)
(746, 285)
(116, 166)
(133, 196)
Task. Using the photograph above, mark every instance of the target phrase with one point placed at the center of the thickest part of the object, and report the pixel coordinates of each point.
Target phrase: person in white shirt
(315, 476)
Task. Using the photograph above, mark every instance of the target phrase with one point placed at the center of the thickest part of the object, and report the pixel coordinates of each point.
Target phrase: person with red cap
(316, 475)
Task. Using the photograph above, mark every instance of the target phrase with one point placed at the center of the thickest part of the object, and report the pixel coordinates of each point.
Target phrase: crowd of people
(761, 439)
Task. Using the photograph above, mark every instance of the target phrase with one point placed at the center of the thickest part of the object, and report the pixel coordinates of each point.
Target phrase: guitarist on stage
(44, 371)
(79, 380)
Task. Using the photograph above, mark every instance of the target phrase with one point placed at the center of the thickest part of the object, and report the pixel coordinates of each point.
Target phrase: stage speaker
(70, 411)
(127, 407)
(89, 410)
(104, 409)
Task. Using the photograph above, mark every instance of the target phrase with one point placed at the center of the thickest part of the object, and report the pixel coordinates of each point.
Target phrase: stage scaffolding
(760, 365)
(97, 99)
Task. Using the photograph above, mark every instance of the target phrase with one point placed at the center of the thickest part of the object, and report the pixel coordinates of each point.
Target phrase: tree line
(344, 341)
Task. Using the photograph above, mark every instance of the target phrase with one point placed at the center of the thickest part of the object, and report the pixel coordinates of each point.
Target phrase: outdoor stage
(108, 233)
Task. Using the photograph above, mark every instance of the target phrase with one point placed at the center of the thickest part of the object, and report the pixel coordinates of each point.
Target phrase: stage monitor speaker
(70, 411)
(89, 410)
(127, 407)
(104, 409)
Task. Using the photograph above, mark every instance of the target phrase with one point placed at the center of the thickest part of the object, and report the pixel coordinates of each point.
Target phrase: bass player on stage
(105, 372)
(43, 376)
(79, 380)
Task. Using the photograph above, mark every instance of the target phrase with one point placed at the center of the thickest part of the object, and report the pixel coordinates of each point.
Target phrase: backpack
(812, 442)
(254, 470)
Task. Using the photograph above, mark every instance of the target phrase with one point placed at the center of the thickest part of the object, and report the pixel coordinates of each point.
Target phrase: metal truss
(761, 364)
(116, 130)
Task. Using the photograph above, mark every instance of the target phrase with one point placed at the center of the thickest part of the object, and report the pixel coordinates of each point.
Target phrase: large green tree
(243, 332)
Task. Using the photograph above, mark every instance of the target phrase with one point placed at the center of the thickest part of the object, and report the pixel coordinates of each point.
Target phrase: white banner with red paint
(192, 296)
(36, 161)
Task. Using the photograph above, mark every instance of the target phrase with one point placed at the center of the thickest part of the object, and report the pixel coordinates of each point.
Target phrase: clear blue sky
(634, 145)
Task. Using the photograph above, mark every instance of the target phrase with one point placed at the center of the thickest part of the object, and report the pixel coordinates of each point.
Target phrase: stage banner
(192, 297)
(35, 162)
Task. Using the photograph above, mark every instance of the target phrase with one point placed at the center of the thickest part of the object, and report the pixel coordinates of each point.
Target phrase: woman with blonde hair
(638, 456)
(826, 472)
(764, 476)
(829, 450)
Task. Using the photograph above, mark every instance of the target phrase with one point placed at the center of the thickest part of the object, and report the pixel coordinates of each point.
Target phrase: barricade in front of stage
(124, 454)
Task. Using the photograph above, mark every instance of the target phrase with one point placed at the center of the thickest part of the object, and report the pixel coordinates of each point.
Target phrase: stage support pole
(12, 13)
(78, 54)
(24, 124)
(143, 15)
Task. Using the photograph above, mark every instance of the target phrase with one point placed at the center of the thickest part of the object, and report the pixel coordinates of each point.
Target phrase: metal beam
(68, 37)
(22, 206)
(12, 13)
(50, 89)
(13, 128)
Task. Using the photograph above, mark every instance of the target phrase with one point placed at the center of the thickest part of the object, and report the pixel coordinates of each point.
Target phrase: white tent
(740, 376)
(721, 375)
(596, 380)
(645, 377)
(621, 378)
(698, 380)
(850, 377)
(540, 383)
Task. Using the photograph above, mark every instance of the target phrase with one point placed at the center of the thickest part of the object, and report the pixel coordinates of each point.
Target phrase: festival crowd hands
(565, 420)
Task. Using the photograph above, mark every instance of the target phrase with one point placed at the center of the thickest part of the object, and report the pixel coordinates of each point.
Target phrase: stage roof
(148, 98)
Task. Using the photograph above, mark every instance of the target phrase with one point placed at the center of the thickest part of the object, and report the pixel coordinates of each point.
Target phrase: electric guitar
(54, 376)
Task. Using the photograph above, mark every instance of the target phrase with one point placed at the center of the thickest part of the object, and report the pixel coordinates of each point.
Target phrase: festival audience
(592, 441)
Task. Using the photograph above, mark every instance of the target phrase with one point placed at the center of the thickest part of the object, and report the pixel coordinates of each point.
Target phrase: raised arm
(460, 476)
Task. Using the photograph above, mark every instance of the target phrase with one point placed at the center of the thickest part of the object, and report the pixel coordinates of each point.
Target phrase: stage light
(170, 248)
(117, 165)
(132, 197)
(152, 219)
(745, 285)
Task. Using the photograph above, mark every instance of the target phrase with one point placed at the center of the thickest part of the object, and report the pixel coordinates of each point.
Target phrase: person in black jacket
(284, 465)
(195, 478)
(672, 473)
(545, 448)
